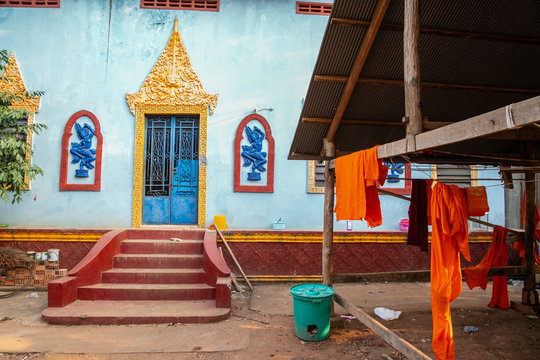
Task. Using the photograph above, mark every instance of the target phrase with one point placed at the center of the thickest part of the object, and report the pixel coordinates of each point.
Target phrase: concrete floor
(261, 326)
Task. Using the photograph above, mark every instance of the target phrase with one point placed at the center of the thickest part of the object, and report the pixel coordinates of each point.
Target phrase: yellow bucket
(220, 222)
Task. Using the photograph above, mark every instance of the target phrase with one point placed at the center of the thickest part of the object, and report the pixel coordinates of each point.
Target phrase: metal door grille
(186, 156)
(158, 150)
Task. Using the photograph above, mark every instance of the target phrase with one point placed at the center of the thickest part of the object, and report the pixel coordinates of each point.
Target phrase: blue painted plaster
(256, 54)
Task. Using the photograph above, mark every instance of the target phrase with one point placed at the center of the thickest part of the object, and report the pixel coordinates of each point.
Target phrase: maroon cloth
(418, 219)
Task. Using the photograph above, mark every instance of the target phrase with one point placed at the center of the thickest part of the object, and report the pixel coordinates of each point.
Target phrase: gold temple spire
(172, 80)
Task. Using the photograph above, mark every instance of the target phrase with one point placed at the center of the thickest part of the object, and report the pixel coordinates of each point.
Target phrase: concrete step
(146, 292)
(158, 261)
(108, 312)
(151, 246)
(154, 276)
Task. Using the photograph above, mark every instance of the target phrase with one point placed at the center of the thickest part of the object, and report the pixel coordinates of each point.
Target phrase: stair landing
(118, 312)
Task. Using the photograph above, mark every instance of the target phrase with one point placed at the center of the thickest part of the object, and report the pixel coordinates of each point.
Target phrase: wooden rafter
(518, 115)
(427, 124)
(429, 84)
(441, 32)
(357, 67)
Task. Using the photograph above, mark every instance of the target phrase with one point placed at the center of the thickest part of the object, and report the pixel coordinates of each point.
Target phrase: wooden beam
(411, 71)
(376, 81)
(442, 32)
(386, 334)
(328, 219)
(523, 113)
(361, 57)
(303, 156)
(352, 122)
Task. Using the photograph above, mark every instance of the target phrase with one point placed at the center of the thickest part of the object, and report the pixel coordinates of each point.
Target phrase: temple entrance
(171, 169)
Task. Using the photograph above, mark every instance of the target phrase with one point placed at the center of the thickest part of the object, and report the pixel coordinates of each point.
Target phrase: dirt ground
(261, 326)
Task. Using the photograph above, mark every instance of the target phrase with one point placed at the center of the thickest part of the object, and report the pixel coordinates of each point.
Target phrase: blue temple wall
(256, 54)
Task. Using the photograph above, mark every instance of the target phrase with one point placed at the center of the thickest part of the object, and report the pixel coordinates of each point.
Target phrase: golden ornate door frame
(171, 88)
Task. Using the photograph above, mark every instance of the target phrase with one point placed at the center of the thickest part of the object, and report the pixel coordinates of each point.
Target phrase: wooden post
(411, 71)
(529, 295)
(328, 221)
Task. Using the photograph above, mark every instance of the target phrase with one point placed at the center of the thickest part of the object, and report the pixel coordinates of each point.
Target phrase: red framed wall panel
(239, 186)
(68, 131)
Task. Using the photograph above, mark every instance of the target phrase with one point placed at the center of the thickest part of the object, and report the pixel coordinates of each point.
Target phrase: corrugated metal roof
(461, 60)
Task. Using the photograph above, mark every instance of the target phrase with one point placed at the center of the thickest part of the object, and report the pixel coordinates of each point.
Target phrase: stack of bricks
(43, 272)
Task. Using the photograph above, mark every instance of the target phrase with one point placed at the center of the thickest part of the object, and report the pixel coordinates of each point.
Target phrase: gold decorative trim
(312, 188)
(50, 236)
(172, 87)
(12, 82)
(138, 163)
(474, 175)
(350, 238)
(172, 81)
(283, 278)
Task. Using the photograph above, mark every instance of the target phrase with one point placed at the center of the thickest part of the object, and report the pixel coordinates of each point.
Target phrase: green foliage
(15, 152)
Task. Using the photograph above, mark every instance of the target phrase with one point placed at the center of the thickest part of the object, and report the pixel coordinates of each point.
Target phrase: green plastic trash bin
(312, 309)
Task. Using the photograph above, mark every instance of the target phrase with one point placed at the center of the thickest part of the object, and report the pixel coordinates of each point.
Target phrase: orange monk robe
(449, 237)
(356, 186)
(496, 256)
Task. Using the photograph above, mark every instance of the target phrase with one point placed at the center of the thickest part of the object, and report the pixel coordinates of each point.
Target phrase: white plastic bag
(387, 314)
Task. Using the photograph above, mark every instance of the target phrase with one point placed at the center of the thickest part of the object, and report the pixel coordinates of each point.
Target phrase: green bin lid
(312, 291)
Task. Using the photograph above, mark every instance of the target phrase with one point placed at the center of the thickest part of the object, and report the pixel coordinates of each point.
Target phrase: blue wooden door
(171, 170)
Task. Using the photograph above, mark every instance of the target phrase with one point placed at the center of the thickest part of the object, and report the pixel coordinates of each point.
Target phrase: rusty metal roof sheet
(508, 57)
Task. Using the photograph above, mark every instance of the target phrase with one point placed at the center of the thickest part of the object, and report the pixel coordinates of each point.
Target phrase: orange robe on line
(356, 186)
(497, 255)
(449, 237)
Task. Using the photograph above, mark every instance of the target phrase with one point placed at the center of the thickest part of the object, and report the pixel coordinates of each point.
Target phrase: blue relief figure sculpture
(252, 154)
(81, 151)
(396, 169)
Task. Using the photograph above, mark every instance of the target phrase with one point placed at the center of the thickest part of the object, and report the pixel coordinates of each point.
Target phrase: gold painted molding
(339, 238)
(172, 87)
(49, 236)
(138, 163)
(12, 82)
(312, 188)
(172, 81)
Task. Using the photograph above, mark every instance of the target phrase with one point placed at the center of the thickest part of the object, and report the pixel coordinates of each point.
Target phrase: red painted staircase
(144, 276)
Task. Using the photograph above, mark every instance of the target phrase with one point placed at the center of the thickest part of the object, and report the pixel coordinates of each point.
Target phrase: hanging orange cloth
(497, 255)
(449, 237)
(356, 186)
(477, 200)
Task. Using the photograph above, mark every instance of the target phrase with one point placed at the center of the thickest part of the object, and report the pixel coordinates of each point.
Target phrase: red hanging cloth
(497, 255)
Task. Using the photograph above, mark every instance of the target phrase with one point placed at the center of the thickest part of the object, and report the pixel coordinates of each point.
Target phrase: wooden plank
(394, 82)
(386, 334)
(525, 309)
(411, 71)
(312, 120)
(361, 57)
(233, 257)
(442, 32)
(523, 113)
(328, 220)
